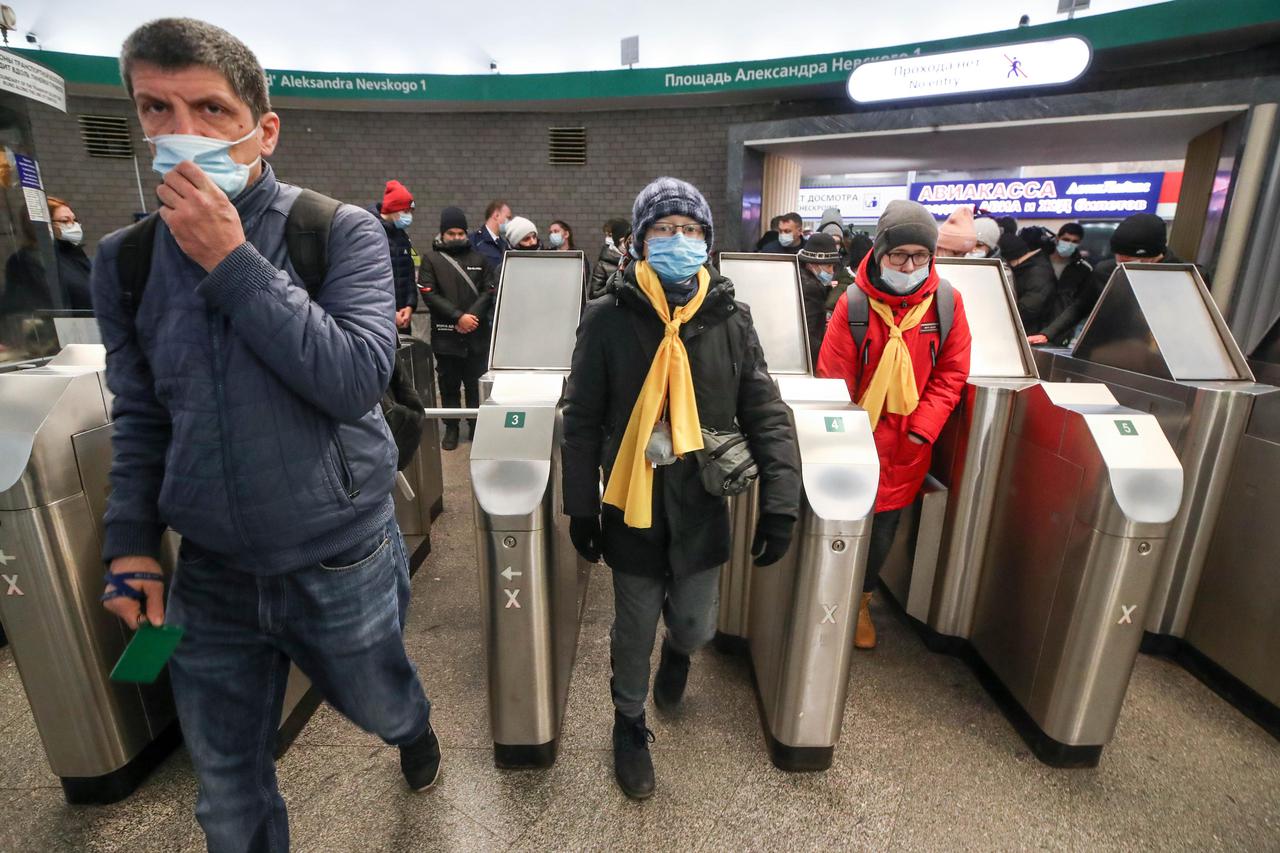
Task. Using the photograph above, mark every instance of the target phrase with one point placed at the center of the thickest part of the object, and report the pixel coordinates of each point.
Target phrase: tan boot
(864, 636)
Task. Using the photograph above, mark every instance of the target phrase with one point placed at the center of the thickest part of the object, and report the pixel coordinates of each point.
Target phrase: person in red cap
(396, 212)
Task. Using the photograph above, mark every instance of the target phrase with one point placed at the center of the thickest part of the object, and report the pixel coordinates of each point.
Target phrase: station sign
(985, 69)
(1059, 197)
(32, 80)
(854, 202)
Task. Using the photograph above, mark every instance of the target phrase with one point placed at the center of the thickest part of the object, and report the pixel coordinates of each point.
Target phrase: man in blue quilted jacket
(247, 420)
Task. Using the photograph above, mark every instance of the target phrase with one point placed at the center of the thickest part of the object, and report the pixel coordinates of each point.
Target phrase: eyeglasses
(918, 259)
(668, 229)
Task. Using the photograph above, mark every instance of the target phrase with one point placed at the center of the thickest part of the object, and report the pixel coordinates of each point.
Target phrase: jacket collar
(257, 197)
(717, 305)
(864, 282)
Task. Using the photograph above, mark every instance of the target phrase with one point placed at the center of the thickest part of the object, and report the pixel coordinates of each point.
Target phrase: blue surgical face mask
(404, 220)
(676, 258)
(213, 156)
(903, 283)
(825, 277)
(502, 229)
(1066, 248)
(786, 239)
(556, 238)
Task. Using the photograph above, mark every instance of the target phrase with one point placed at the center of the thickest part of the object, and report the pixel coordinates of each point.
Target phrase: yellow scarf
(630, 486)
(893, 385)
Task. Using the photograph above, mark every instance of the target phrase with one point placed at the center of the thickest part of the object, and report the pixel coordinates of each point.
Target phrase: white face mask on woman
(73, 234)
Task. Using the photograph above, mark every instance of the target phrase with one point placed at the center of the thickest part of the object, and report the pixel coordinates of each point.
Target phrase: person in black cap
(458, 286)
(1033, 281)
(818, 261)
(1138, 239)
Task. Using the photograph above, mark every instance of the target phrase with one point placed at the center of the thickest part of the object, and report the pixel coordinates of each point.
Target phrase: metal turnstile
(419, 505)
(1085, 502)
(934, 567)
(770, 286)
(1233, 631)
(535, 314)
(1157, 340)
(532, 581)
(804, 608)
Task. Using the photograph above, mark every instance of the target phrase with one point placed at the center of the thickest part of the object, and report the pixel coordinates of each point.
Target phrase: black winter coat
(606, 265)
(1034, 284)
(1076, 275)
(448, 296)
(617, 339)
(1086, 296)
(74, 267)
(401, 261)
(815, 310)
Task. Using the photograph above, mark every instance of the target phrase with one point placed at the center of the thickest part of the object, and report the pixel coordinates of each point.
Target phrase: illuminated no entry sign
(1014, 66)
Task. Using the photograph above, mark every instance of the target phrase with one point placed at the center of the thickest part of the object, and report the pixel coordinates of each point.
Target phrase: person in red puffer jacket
(904, 374)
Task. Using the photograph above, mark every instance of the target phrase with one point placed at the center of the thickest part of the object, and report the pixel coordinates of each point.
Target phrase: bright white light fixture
(1013, 66)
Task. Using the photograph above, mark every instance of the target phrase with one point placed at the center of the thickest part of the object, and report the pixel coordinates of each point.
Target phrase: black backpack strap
(945, 301)
(859, 316)
(307, 236)
(133, 261)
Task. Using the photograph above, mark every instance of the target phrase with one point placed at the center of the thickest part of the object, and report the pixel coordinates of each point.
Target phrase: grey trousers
(689, 607)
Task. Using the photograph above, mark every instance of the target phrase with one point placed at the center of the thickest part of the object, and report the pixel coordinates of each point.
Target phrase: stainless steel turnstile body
(803, 609)
(1158, 342)
(934, 569)
(532, 581)
(55, 455)
(770, 286)
(1086, 497)
(1234, 626)
(417, 508)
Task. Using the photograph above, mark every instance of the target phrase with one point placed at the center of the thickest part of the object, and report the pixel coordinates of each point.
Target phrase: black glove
(773, 538)
(585, 533)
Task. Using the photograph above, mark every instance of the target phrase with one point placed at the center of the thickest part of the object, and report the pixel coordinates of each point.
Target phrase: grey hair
(176, 43)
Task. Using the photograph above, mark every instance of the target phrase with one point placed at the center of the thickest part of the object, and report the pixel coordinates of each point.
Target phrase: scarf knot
(893, 385)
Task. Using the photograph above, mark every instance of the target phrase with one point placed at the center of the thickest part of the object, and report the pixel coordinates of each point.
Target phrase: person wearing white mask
(560, 239)
(74, 265)
(790, 239)
(899, 367)
(987, 232)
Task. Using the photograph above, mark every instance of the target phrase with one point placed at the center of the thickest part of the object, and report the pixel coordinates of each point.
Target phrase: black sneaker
(673, 674)
(420, 761)
(450, 440)
(632, 764)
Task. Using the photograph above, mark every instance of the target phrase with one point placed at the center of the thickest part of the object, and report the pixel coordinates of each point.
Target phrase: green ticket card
(147, 653)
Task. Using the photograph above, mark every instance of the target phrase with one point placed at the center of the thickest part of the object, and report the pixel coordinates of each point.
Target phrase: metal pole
(440, 414)
(138, 176)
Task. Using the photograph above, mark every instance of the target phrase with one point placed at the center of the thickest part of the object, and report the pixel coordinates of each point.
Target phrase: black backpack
(306, 234)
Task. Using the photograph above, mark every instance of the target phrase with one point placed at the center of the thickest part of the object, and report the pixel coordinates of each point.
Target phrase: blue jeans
(341, 622)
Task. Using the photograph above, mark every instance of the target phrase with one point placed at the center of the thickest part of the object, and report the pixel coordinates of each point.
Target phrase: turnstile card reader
(535, 314)
(532, 581)
(770, 286)
(425, 475)
(1087, 495)
(804, 608)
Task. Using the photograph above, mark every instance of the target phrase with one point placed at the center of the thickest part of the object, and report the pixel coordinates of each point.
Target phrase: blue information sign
(1061, 197)
(28, 172)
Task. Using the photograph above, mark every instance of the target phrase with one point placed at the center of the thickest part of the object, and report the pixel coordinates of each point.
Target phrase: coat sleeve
(1087, 293)
(334, 352)
(586, 403)
(142, 425)
(441, 308)
(1035, 297)
(766, 421)
(946, 382)
(838, 358)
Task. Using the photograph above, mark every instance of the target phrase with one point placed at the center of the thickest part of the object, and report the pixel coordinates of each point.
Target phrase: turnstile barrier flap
(1145, 475)
(838, 461)
(514, 444)
(1000, 348)
(770, 286)
(93, 356)
(1159, 320)
(798, 390)
(536, 315)
(40, 410)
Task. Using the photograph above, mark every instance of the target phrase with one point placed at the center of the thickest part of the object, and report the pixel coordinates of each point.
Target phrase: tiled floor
(926, 762)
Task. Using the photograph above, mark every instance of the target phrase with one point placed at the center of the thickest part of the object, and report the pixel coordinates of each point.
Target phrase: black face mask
(454, 247)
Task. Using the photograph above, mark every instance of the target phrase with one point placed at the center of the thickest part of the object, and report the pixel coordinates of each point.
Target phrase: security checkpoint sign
(985, 69)
(853, 202)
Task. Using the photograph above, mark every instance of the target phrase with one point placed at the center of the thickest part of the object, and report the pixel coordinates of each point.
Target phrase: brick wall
(465, 159)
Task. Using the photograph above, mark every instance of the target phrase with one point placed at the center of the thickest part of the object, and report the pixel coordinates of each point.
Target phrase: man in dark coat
(1033, 281)
(458, 284)
(666, 537)
(790, 239)
(396, 212)
(1073, 271)
(1138, 239)
(490, 239)
(818, 261)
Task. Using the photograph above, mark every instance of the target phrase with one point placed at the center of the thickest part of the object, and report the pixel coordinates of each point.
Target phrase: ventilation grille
(567, 146)
(106, 136)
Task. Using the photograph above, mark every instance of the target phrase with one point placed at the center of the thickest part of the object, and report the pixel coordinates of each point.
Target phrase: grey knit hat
(832, 216)
(664, 197)
(904, 222)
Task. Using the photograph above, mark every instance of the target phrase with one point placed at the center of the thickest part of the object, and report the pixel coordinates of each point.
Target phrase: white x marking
(512, 595)
(12, 581)
(829, 614)
(1126, 614)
